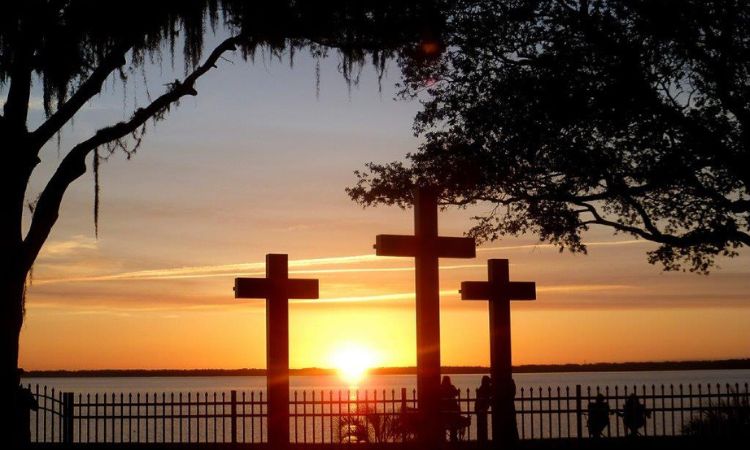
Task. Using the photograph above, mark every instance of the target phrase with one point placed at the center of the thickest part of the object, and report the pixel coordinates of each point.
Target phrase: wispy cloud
(454, 293)
(584, 288)
(385, 269)
(368, 298)
(210, 271)
(124, 309)
(127, 310)
(299, 266)
(68, 246)
(535, 246)
(251, 269)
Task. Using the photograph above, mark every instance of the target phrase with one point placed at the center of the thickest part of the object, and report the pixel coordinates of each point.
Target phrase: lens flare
(352, 361)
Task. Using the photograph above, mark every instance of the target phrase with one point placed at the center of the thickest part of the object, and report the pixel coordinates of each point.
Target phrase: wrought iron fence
(670, 410)
(231, 417)
(351, 416)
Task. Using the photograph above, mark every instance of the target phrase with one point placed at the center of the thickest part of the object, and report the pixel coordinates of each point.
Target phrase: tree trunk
(12, 279)
(11, 320)
(14, 266)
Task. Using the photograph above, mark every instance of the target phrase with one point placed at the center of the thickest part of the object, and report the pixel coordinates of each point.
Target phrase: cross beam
(500, 291)
(277, 289)
(426, 247)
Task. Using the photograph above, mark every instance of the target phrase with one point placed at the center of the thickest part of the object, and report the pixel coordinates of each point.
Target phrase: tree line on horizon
(723, 364)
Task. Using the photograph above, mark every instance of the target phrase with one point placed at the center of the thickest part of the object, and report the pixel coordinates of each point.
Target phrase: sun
(352, 361)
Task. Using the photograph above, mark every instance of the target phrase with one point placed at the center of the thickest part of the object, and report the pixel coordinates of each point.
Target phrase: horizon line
(743, 361)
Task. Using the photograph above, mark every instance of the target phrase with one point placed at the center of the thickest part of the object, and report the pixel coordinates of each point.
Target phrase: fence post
(67, 417)
(234, 416)
(579, 412)
(404, 412)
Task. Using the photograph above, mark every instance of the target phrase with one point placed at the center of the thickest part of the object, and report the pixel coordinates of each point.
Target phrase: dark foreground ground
(641, 443)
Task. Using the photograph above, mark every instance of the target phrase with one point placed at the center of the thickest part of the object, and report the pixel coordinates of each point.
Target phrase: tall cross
(425, 246)
(499, 290)
(277, 289)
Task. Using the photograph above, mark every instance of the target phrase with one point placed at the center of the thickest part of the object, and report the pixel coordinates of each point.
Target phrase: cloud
(210, 271)
(584, 288)
(247, 269)
(384, 269)
(589, 244)
(119, 308)
(299, 266)
(67, 247)
(369, 298)
(454, 293)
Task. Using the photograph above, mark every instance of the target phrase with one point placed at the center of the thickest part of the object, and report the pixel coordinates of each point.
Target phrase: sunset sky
(256, 164)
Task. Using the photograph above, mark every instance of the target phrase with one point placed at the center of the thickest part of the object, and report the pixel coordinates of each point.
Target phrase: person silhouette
(634, 414)
(481, 406)
(511, 405)
(598, 420)
(449, 408)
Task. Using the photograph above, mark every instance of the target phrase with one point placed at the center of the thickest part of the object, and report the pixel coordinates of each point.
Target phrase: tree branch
(73, 165)
(695, 238)
(643, 214)
(85, 92)
(699, 134)
(600, 220)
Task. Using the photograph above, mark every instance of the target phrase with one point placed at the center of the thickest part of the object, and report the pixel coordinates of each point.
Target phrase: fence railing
(671, 410)
(378, 416)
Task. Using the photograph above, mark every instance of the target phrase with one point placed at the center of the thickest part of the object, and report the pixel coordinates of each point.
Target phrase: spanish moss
(96, 191)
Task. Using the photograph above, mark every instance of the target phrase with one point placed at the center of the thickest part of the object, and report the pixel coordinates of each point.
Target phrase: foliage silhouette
(368, 424)
(726, 418)
(71, 47)
(562, 115)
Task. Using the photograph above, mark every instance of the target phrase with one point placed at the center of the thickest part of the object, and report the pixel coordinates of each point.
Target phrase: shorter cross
(277, 289)
(499, 290)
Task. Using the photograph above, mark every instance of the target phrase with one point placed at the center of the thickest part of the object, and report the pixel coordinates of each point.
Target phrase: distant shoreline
(726, 364)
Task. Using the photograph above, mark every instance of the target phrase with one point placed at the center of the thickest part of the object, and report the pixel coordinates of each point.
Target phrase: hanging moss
(95, 165)
(74, 46)
(70, 39)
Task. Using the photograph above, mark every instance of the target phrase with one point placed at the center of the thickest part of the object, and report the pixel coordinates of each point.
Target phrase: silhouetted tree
(70, 47)
(563, 114)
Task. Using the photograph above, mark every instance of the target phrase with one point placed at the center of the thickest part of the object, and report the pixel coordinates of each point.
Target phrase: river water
(385, 382)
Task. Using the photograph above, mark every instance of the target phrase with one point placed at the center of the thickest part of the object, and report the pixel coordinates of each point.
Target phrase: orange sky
(607, 306)
(256, 164)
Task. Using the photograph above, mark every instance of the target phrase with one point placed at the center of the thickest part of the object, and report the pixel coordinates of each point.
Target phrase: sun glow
(353, 360)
